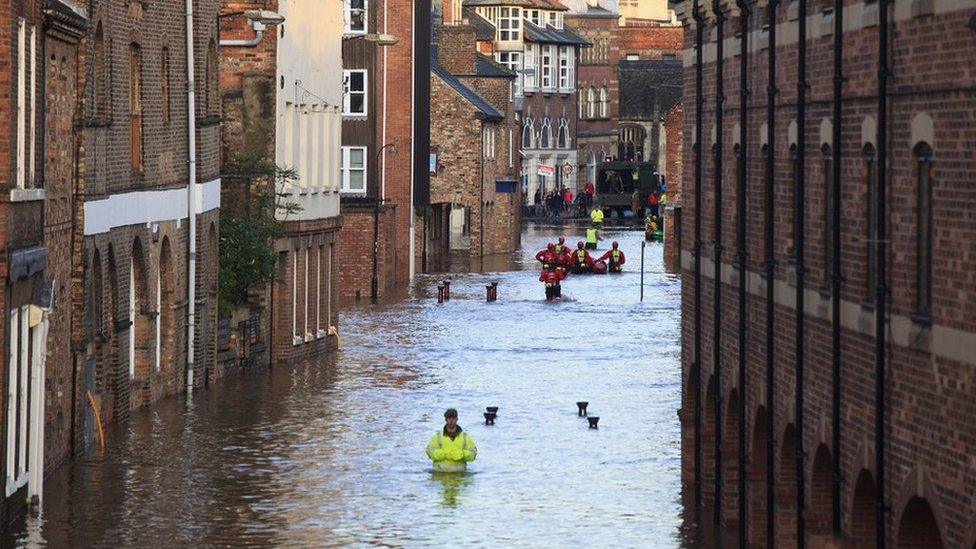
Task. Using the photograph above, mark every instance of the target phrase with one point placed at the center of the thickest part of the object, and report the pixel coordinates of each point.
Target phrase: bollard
(489, 418)
(593, 421)
(494, 291)
(582, 407)
(492, 409)
(359, 295)
(440, 294)
(488, 293)
(447, 290)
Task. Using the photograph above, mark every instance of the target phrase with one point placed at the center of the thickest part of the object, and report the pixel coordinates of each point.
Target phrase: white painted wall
(309, 118)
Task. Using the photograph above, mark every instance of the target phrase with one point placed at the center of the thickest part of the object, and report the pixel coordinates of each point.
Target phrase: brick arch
(166, 320)
(117, 375)
(917, 488)
(862, 522)
(708, 442)
(820, 506)
(971, 536)
(730, 461)
(757, 472)
(918, 526)
(786, 490)
(140, 311)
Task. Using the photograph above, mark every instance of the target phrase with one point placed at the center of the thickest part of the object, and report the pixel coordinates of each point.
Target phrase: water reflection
(332, 453)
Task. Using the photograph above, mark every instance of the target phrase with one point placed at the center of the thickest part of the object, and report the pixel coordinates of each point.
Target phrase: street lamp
(374, 283)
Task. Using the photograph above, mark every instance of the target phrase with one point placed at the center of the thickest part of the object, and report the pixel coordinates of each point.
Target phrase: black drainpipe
(717, 315)
(881, 285)
(744, 12)
(835, 236)
(769, 266)
(696, 365)
(798, 237)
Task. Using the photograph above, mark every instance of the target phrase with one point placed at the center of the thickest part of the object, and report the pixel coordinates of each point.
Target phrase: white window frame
(528, 127)
(347, 92)
(511, 147)
(565, 83)
(509, 27)
(604, 102)
(562, 134)
(591, 102)
(547, 81)
(512, 60)
(531, 68)
(347, 17)
(346, 170)
(545, 134)
(533, 17)
(488, 141)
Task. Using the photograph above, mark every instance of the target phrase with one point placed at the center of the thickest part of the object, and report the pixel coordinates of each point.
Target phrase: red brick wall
(650, 42)
(355, 258)
(929, 390)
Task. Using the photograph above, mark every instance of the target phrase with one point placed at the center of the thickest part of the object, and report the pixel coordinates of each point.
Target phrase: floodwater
(332, 453)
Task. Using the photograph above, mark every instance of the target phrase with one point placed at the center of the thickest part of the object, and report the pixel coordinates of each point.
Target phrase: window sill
(355, 117)
(26, 195)
(924, 321)
(209, 120)
(296, 340)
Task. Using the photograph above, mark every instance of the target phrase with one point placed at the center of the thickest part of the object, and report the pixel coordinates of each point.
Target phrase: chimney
(456, 48)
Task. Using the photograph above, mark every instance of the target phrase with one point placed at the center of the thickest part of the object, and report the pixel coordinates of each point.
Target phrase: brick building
(137, 249)
(376, 186)
(474, 196)
(42, 78)
(281, 89)
(846, 387)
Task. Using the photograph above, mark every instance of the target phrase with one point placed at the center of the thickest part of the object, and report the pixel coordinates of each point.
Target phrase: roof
(551, 35)
(67, 12)
(483, 29)
(540, 4)
(483, 108)
(485, 66)
(649, 88)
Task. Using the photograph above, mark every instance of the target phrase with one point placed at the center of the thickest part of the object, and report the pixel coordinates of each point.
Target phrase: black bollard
(494, 291)
(488, 293)
(492, 409)
(440, 294)
(489, 418)
(447, 290)
(582, 407)
(593, 421)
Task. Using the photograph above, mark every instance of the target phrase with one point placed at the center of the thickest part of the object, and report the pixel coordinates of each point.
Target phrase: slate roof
(540, 4)
(485, 66)
(483, 29)
(484, 108)
(648, 88)
(551, 35)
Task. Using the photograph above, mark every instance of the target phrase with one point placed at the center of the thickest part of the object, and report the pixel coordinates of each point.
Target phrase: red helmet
(551, 247)
(615, 244)
(562, 239)
(579, 244)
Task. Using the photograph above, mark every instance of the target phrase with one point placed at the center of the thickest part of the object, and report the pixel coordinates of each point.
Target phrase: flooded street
(333, 453)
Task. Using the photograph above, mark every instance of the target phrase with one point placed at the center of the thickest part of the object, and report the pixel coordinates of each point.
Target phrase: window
(633, 57)
(604, 102)
(562, 135)
(353, 170)
(565, 73)
(828, 210)
(547, 54)
(164, 83)
(23, 426)
(923, 257)
(528, 134)
(581, 102)
(552, 18)
(354, 92)
(531, 55)
(511, 148)
(591, 102)
(513, 62)
(545, 134)
(533, 17)
(794, 177)
(26, 103)
(212, 106)
(509, 23)
(488, 141)
(355, 16)
(135, 107)
(871, 198)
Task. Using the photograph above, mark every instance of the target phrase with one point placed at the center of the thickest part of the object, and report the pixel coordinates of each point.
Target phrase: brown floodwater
(332, 452)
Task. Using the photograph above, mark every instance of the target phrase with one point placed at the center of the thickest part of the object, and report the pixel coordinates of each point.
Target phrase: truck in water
(617, 180)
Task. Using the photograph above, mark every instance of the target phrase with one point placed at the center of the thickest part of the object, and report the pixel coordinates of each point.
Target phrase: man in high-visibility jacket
(615, 258)
(451, 448)
(596, 216)
(592, 235)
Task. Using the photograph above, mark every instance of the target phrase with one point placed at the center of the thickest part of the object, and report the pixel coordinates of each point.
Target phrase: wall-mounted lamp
(259, 21)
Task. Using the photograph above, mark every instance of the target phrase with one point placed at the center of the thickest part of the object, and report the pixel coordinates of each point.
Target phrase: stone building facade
(282, 94)
(474, 184)
(879, 452)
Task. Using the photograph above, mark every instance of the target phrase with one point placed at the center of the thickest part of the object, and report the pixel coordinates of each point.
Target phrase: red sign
(547, 170)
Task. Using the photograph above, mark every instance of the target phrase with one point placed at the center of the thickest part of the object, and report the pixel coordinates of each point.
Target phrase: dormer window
(534, 17)
(552, 18)
(509, 24)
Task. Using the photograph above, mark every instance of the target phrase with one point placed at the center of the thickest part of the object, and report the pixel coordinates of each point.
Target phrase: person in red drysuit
(582, 260)
(551, 278)
(562, 248)
(547, 256)
(615, 258)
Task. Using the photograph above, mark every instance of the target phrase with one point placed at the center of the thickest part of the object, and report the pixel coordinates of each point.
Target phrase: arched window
(164, 83)
(591, 102)
(869, 174)
(545, 134)
(923, 256)
(528, 134)
(828, 212)
(590, 167)
(135, 107)
(581, 101)
(794, 176)
(562, 134)
(604, 102)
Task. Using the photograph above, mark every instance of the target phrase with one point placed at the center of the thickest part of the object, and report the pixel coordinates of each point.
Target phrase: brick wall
(355, 257)
(926, 454)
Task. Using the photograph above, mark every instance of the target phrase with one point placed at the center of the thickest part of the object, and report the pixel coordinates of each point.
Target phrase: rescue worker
(562, 248)
(592, 236)
(564, 261)
(583, 261)
(596, 216)
(651, 230)
(547, 256)
(551, 278)
(615, 258)
(451, 448)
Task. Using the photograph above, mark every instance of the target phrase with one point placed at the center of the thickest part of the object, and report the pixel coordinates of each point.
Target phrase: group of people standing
(558, 260)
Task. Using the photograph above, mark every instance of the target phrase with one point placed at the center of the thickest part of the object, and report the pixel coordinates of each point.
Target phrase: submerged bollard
(488, 293)
(440, 294)
(494, 291)
(582, 407)
(492, 409)
(447, 290)
(489, 418)
(593, 421)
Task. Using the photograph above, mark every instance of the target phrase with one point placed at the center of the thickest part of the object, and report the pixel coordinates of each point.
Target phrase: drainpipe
(696, 366)
(740, 192)
(191, 198)
(717, 337)
(770, 265)
(881, 284)
(835, 236)
(799, 217)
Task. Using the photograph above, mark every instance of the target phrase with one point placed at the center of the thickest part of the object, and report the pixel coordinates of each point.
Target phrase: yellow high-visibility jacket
(596, 215)
(451, 455)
